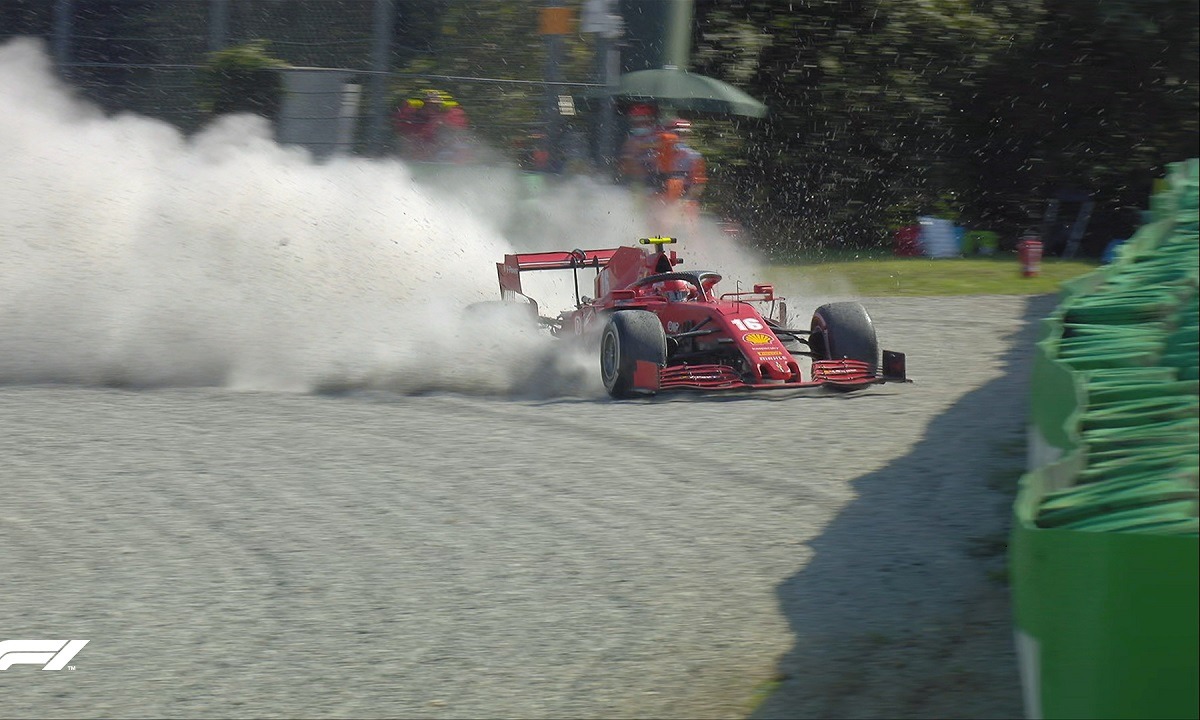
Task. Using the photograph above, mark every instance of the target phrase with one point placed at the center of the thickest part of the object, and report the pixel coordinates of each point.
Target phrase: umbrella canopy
(689, 92)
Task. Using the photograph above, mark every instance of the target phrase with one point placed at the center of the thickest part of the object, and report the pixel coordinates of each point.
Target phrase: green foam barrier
(1147, 468)
(1138, 519)
(1130, 359)
(1101, 396)
(1140, 412)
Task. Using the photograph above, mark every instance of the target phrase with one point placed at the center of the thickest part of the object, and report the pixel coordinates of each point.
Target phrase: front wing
(834, 374)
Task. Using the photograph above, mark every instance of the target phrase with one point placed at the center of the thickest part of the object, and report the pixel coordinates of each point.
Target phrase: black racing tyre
(844, 330)
(629, 336)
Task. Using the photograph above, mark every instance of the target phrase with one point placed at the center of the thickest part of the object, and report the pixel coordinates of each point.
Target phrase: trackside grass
(920, 276)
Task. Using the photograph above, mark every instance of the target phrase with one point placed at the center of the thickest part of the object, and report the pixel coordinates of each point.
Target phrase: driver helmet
(676, 290)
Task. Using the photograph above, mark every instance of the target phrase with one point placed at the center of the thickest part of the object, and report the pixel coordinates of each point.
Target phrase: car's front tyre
(629, 336)
(844, 330)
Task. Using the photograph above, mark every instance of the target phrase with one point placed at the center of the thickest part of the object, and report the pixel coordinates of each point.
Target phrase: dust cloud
(134, 255)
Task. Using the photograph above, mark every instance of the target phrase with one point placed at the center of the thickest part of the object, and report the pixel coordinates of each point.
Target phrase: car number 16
(745, 324)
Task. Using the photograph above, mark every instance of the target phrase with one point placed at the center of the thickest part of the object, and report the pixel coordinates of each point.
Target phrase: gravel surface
(247, 554)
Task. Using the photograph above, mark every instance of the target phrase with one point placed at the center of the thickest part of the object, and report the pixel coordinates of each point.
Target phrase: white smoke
(132, 254)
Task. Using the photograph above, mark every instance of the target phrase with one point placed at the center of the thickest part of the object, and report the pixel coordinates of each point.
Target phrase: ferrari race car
(660, 329)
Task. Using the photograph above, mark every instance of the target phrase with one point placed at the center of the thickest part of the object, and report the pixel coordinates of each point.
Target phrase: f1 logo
(50, 654)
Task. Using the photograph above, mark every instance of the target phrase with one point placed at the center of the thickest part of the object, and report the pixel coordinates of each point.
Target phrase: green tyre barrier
(1104, 554)
(1107, 622)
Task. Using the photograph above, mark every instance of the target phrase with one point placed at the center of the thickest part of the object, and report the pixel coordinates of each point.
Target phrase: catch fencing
(145, 56)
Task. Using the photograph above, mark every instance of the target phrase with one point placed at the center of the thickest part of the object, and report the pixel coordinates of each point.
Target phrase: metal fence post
(601, 18)
(63, 10)
(218, 25)
(381, 47)
(553, 21)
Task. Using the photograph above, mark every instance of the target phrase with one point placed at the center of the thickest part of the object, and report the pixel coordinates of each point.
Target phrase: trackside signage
(50, 654)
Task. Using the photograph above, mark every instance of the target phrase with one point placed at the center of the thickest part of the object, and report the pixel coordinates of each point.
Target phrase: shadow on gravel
(871, 394)
(903, 611)
(692, 397)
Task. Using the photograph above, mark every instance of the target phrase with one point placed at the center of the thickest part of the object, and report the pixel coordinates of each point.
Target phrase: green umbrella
(688, 91)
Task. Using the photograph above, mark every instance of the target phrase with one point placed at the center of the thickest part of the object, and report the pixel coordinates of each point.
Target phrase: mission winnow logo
(50, 654)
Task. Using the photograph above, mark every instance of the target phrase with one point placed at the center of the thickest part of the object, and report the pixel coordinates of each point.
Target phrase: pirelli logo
(50, 654)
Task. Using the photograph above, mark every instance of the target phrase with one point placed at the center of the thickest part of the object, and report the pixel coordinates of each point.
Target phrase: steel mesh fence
(145, 56)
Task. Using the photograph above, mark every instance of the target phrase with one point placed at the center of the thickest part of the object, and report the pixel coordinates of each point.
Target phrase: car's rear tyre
(629, 336)
(844, 330)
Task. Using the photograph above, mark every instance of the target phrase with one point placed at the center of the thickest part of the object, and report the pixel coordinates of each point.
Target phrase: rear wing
(510, 270)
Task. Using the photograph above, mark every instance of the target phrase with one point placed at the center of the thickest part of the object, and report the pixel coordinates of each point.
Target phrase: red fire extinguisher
(1029, 251)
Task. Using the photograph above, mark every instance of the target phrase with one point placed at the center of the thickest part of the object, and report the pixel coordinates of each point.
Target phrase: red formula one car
(662, 329)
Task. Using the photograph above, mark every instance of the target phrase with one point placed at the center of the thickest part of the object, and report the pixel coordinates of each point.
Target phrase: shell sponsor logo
(757, 338)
